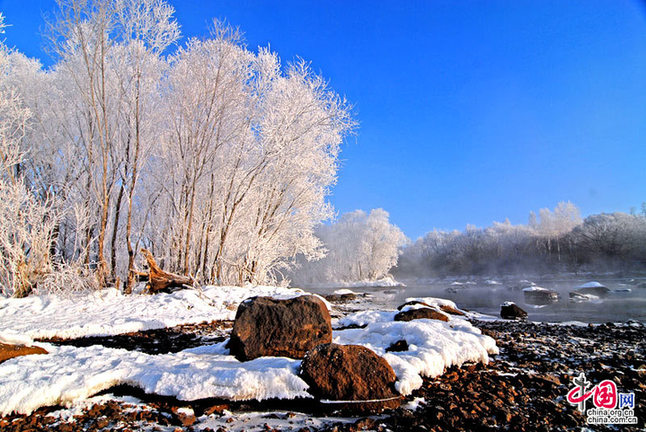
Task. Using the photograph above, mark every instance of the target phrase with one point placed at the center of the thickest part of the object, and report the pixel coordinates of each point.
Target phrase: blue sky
(469, 111)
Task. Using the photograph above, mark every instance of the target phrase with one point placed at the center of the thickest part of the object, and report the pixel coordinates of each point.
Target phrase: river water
(486, 296)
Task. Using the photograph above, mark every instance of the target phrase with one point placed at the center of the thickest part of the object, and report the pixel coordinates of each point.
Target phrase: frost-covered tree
(27, 221)
(217, 158)
(553, 225)
(110, 64)
(360, 246)
(248, 159)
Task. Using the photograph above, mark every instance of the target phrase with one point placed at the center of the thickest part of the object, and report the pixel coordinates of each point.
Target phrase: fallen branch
(160, 280)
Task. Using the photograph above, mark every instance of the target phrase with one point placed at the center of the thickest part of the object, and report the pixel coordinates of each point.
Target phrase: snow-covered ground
(68, 374)
(108, 312)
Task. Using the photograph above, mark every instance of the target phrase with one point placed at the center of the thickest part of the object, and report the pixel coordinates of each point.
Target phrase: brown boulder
(451, 310)
(444, 308)
(511, 311)
(421, 313)
(413, 303)
(350, 373)
(10, 351)
(265, 326)
(341, 298)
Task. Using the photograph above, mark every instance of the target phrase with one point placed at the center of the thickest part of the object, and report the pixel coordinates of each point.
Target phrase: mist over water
(485, 297)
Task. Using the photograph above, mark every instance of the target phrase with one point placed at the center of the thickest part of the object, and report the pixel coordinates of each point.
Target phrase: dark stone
(350, 373)
(399, 346)
(269, 327)
(340, 298)
(512, 311)
(540, 296)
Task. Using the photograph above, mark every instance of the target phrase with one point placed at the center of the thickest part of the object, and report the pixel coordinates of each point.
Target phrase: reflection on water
(626, 301)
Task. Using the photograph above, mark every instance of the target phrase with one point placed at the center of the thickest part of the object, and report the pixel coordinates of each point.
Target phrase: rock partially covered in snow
(451, 310)
(350, 373)
(265, 326)
(536, 295)
(341, 295)
(594, 288)
(410, 313)
(511, 311)
(8, 351)
(579, 297)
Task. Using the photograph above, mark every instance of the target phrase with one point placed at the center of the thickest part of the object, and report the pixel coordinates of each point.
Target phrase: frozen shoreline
(27, 383)
(524, 384)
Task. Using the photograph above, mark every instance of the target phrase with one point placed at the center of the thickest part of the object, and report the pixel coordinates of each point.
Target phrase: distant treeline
(554, 241)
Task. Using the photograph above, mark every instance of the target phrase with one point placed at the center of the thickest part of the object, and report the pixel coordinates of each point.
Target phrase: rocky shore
(522, 389)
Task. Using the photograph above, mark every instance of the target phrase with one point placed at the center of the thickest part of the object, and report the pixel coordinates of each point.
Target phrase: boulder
(539, 296)
(511, 311)
(341, 298)
(421, 313)
(451, 310)
(350, 373)
(10, 351)
(413, 303)
(579, 297)
(265, 326)
(599, 291)
(594, 288)
(444, 308)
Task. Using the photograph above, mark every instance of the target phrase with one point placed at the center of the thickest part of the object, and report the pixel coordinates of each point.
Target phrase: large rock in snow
(540, 296)
(511, 311)
(409, 314)
(350, 373)
(594, 288)
(10, 351)
(265, 326)
(444, 308)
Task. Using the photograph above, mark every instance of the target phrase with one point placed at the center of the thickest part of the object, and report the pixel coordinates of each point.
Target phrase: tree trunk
(160, 280)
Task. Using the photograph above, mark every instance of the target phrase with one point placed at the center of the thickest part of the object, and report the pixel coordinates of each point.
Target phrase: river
(627, 301)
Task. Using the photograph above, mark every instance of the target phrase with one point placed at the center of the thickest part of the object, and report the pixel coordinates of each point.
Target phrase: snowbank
(108, 312)
(69, 374)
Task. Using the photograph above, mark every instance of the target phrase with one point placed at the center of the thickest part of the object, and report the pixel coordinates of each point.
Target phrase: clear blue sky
(469, 111)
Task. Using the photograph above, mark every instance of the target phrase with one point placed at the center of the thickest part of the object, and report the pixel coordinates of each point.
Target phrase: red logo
(604, 394)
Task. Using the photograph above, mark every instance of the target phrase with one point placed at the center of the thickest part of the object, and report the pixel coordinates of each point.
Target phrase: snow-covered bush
(360, 246)
(27, 223)
(29, 216)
